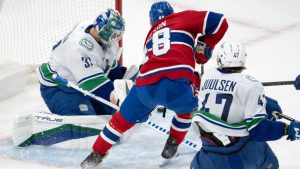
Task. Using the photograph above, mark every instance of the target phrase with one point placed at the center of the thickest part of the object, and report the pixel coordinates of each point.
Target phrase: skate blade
(165, 161)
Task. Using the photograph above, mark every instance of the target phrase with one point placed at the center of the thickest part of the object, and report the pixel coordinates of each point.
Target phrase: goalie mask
(110, 26)
(231, 55)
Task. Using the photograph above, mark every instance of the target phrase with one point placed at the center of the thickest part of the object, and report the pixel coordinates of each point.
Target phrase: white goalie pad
(43, 123)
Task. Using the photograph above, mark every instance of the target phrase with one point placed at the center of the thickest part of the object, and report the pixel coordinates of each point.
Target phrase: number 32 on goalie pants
(161, 42)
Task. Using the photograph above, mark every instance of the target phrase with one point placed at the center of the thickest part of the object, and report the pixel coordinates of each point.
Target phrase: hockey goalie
(88, 58)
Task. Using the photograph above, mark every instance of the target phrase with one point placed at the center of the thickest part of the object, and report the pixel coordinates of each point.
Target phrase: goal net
(29, 29)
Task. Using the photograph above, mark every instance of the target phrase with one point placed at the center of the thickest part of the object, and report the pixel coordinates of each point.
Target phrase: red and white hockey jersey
(169, 46)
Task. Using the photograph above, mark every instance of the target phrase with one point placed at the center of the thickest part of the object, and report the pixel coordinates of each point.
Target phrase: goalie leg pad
(47, 129)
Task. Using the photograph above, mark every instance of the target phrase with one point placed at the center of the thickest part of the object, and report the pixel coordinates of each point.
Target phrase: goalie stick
(148, 123)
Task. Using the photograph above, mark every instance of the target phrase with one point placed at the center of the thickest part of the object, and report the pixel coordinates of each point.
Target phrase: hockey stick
(148, 123)
(296, 83)
(280, 115)
(278, 83)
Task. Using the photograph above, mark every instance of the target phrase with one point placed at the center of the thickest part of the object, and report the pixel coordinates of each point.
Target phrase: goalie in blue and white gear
(232, 118)
(88, 57)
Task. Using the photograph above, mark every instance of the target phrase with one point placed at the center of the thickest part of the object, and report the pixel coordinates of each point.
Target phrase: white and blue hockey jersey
(78, 58)
(230, 103)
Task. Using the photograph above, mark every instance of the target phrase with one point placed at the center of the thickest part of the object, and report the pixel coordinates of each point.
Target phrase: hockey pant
(63, 100)
(67, 101)
(243, 155)
(176, 95)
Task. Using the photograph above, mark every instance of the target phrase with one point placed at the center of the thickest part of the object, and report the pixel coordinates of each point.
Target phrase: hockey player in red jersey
(166, 76)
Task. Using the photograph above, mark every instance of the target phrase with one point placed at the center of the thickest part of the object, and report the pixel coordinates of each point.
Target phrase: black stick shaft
(285, 116)
(278, 83)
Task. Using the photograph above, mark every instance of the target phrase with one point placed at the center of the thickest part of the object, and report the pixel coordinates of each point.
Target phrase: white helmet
(231, 54)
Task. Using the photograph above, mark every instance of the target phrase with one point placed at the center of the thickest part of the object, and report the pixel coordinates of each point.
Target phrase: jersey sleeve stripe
(250, 125)
(204, 23)
(89, 77)
(213, 22)
(94, 83)
(46, 73)
(218, 28)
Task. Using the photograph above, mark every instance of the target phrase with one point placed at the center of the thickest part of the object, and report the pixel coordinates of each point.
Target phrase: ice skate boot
(92, 161)
(170, 150)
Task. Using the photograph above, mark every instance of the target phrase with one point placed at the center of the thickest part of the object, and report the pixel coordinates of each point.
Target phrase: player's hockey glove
(204, 51)
(297, 83)
(196, 86)
(293, 131)
(271, 106)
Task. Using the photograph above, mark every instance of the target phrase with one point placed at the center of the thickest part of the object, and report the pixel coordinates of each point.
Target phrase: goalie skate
(92, 161)
(170, 151)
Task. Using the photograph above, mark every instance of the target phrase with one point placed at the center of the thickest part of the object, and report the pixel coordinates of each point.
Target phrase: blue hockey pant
(176, 95)
(246, 154)
(67, 101)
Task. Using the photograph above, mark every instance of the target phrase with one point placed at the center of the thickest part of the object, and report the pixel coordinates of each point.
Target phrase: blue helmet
(110, 26)
(159, 10)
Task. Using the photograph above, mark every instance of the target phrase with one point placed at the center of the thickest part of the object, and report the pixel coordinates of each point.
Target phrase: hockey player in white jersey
(232, 118)
(88, 57)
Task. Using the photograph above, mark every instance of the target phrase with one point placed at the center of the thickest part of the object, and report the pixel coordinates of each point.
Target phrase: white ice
(270, 29)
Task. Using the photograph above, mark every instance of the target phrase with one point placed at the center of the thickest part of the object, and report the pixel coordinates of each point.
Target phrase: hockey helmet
(110, 26)
(230, 55)
(159, 10)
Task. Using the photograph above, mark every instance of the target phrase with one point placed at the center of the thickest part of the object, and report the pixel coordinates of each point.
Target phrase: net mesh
(29, 28)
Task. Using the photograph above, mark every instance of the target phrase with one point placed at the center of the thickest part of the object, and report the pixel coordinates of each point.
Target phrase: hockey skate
(92, 161)
(170, 151)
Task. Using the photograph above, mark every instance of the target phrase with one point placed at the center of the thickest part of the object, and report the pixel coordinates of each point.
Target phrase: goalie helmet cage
(30, 28)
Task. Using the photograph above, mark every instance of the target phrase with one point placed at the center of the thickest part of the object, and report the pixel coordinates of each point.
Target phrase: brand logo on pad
(49, 119)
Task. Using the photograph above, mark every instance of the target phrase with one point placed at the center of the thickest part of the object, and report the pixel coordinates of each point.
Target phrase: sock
(180, 126)
(111, 133)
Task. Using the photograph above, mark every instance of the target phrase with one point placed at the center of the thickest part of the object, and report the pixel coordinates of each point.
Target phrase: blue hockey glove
(297, 83)
(294, 131)
(271, 106)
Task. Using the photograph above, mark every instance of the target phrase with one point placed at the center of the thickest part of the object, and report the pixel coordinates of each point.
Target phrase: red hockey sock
(180, 126)
(111, 133)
